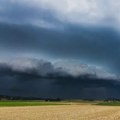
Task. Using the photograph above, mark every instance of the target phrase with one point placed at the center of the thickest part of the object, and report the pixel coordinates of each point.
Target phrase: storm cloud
(77, 40)
(94, 45)
(32, 77)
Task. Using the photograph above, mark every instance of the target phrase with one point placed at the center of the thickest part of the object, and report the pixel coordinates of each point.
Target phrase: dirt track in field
(64, 112)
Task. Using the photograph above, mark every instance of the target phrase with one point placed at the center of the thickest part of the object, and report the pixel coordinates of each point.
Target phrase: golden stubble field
(63, 112)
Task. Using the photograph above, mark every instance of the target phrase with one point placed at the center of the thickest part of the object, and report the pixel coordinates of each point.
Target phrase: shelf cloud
(28, 76)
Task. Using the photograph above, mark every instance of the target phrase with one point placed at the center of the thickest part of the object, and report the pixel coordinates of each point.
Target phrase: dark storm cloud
(98, 45)
(29, 81)
(49, 29)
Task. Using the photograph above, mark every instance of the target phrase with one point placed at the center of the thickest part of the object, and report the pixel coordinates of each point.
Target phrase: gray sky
(81, 32)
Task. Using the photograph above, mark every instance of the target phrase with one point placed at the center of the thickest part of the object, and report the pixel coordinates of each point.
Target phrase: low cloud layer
(45, 69)
(32, 77)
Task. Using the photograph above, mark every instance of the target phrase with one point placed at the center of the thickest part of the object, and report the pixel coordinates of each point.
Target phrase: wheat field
(64, 112)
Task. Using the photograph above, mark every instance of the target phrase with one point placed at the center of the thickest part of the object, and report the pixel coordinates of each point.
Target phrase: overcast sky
(76, 38)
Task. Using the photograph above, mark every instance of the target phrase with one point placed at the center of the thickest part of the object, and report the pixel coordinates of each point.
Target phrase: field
(28, 103)
(109, 103)
(59, 111)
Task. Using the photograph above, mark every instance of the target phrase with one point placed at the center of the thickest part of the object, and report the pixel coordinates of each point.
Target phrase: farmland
(58, 111)
(28, 103)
